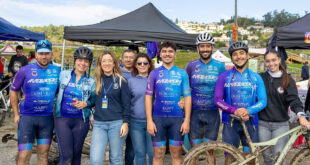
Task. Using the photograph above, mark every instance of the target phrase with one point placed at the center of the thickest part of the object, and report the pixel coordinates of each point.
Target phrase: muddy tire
(219, 148)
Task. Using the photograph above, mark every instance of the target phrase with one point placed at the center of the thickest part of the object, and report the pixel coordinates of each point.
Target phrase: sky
(83, 12)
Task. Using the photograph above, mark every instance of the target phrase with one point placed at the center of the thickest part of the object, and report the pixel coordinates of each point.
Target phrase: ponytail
(285, 80)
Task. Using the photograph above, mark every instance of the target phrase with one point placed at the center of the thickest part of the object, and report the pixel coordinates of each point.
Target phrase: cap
(43, 46)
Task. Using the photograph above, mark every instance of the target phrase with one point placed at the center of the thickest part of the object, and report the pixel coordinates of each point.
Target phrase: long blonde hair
(99, 72)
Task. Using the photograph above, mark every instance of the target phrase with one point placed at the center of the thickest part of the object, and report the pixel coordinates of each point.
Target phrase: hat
(43, 46)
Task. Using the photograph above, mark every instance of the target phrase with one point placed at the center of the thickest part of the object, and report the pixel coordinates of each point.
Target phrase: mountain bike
(221, 149)
(5, 105)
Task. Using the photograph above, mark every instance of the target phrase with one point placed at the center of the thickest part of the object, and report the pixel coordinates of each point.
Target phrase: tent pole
(63, 54)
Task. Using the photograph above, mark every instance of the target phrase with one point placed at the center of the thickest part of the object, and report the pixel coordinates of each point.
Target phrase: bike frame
(295, 133)
(6, 102)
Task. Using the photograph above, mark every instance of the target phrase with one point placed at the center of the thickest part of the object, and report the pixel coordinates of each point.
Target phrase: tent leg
(63, 54)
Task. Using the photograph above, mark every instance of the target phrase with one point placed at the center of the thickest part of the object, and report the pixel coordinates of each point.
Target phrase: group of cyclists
(150, 107)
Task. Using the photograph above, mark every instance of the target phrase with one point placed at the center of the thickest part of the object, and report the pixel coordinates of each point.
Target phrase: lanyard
(106, 91)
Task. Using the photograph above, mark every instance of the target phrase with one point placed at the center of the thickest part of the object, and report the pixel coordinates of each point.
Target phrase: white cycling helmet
(205, 38)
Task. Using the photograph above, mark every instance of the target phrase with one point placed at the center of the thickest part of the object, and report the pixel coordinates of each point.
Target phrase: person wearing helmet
(240, 91)
(203, 73)
(75, 98)
(34, 117)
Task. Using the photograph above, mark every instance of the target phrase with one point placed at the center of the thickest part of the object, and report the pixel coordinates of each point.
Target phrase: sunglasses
(144, 63)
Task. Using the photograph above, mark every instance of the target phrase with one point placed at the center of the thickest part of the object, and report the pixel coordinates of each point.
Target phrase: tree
(277, 19)
(176, 20)
(228, 27)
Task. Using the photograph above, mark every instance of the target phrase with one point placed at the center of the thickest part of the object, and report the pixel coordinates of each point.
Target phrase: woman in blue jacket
(75, 98)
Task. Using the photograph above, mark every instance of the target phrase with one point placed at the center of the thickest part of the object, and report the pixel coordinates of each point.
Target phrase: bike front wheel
(219, 150)
(302, 157)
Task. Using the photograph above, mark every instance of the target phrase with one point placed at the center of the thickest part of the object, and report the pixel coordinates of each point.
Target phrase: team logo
(48, 71)
(34, 73)
(307, 37)
(280, 90)
(54, 71)
(178, 73)
(115, 86)
(161, 74)
(197, 69)
(173, 72)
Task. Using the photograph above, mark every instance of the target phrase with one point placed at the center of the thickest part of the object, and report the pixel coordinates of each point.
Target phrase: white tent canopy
(220, 57)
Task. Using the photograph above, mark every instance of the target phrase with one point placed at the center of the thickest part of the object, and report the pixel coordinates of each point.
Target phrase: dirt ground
(9, 150)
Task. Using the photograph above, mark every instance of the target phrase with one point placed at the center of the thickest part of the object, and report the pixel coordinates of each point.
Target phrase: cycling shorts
(204, 125)
(34, 127)
(233, 134)
(167, 126)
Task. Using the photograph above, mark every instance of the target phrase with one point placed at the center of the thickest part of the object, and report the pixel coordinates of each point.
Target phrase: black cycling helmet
(83, 52)
(237, 46)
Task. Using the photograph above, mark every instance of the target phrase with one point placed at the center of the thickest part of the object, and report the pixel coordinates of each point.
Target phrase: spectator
(31, 57)
(17, 61)
(305, 71)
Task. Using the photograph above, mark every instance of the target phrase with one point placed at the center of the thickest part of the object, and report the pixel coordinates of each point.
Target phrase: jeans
(269, 130)
(142, 142)
(104, 132)
(129, 151)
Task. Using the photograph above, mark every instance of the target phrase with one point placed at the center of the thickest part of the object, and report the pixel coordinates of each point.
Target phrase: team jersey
(72, 91)
(39, 86)
(240, 90)
(168, 87)
(202, 81)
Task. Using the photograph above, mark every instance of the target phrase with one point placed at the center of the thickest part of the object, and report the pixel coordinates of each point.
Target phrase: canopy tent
(8, 50)
(221, 57)
(9, 32)
(144, 24)
(293, 36)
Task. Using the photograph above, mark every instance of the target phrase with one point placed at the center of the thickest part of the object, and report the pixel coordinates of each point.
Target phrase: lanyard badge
(105, 100)
(104, 103)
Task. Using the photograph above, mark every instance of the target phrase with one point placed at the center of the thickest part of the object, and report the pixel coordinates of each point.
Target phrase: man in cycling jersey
(39, 82)
(203, 73)
(165, 118)
(240, 91)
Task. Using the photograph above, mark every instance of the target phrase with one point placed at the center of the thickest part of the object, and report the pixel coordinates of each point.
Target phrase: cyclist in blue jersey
(39, 82)
(167, 84)
(75, 98)
(203, 73)
(240, 91)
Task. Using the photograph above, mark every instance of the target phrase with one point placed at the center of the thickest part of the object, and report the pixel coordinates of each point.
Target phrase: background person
(31, 57)
(141, 139)
(75, 98)
(281, 93)
(111, 111)
(17, 61)
(305, 71)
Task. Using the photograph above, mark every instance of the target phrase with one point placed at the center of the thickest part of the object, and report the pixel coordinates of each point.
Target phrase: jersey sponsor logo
(238, 84)
(169, 81)
(47, 80)
(48, 71)
(203, 77)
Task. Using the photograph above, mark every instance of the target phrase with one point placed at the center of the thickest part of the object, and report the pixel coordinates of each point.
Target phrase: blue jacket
(88, 93)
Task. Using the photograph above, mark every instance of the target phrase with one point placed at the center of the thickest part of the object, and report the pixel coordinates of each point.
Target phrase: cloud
(224, 16)
(37, 13)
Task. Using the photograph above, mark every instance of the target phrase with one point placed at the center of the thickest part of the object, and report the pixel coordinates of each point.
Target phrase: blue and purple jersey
(240, 90)
(39, 86)
(72, 91)
(168, 86)
(202, 81)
